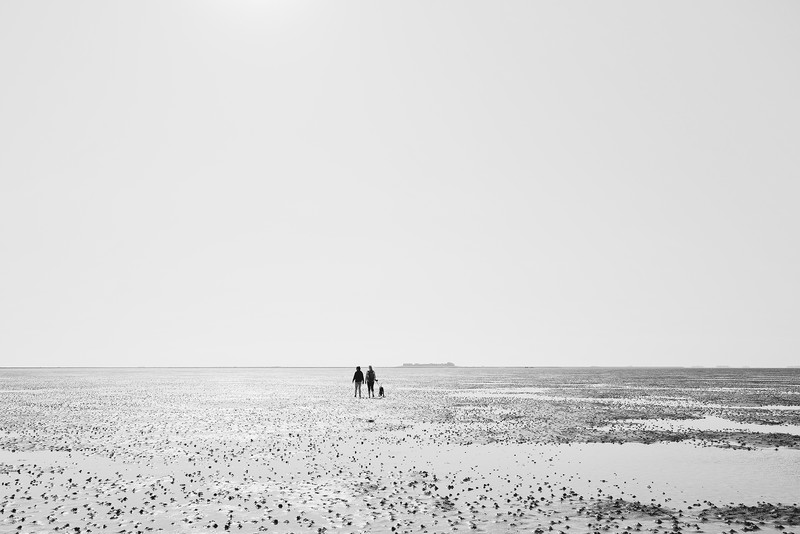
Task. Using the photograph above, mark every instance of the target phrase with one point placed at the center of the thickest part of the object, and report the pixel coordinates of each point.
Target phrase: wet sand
(487, 450)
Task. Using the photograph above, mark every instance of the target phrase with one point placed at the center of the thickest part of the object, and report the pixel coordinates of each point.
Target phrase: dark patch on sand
(753, 516)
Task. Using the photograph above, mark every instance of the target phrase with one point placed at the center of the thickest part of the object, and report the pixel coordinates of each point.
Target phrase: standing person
(358, 378)
(371, 379)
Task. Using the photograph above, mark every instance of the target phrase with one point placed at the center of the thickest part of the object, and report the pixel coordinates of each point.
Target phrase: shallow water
(495, 450)
(711, 423)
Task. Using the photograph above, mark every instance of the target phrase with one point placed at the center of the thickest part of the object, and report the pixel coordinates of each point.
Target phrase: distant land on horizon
(447, 364)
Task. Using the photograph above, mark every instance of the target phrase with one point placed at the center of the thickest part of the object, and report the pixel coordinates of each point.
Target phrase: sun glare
(258, 12)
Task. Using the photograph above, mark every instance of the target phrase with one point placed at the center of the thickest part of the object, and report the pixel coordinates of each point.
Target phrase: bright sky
(237, 182)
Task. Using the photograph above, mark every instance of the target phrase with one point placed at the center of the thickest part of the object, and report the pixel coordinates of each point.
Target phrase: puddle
(683, 471)
(711, 423)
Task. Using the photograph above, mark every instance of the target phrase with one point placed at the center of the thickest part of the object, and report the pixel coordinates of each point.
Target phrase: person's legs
(358, 390)
(370, 389)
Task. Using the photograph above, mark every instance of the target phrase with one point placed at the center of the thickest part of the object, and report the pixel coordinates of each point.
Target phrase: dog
(380, 392)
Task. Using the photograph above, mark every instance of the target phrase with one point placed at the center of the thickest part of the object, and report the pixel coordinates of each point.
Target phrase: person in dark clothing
(371, 379)
(358, 378)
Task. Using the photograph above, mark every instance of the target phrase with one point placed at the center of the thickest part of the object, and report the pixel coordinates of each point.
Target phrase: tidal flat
(560, 450)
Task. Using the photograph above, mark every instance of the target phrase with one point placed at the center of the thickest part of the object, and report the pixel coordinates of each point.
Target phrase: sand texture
(448, 449)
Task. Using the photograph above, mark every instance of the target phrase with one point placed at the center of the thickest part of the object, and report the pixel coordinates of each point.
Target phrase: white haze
(326, 183)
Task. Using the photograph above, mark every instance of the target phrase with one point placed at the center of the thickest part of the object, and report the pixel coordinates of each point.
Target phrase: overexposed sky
(243, 182)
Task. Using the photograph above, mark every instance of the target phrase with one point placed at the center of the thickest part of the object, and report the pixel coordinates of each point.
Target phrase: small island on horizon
(447, 364)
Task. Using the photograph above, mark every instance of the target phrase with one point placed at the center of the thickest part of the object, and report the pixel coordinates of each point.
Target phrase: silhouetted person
(371, 379)
(358, 378)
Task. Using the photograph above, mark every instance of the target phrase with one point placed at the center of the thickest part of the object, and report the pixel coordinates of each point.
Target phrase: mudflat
(448, 449)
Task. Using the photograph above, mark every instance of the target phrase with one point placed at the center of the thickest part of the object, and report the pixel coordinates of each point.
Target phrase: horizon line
(401, 366)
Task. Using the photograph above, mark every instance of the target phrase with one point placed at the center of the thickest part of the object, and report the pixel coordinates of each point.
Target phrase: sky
(309, 183)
